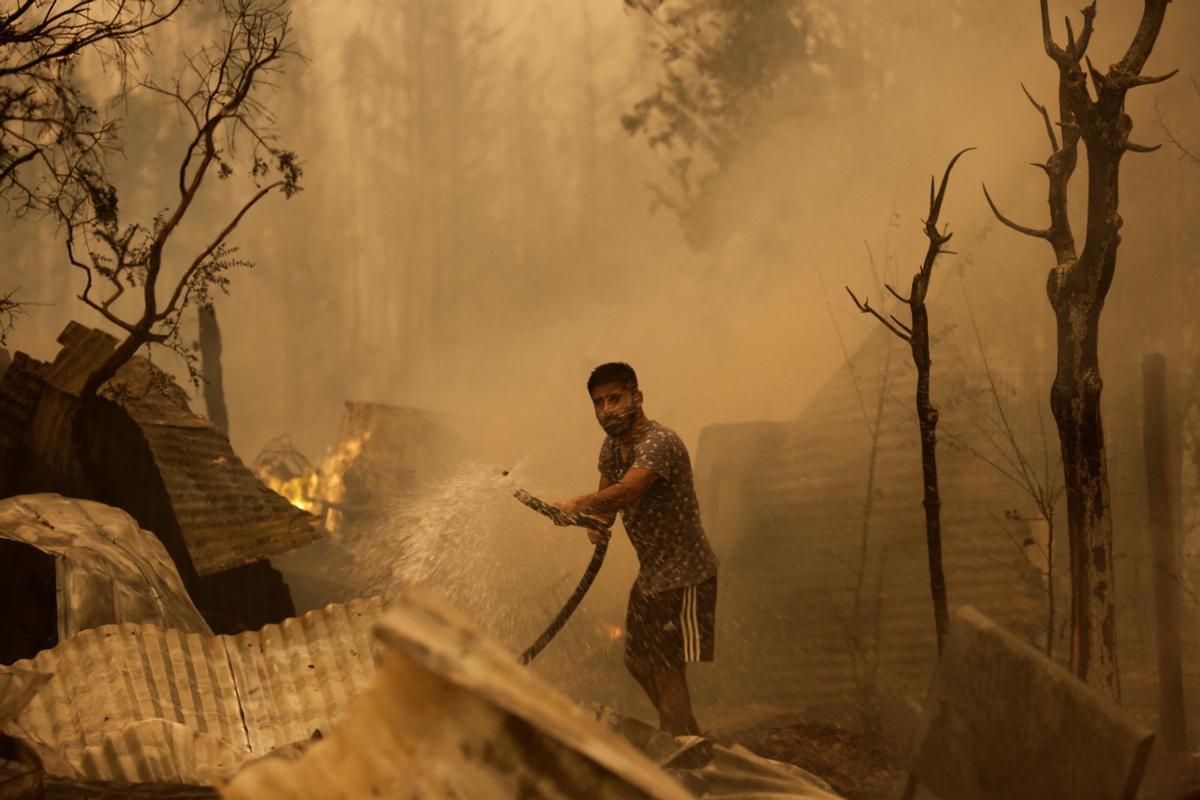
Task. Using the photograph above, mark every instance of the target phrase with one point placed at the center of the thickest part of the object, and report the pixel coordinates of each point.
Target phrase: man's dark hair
(613, 372)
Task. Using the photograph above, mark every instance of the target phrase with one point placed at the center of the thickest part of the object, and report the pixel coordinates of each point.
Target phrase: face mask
(618, 423)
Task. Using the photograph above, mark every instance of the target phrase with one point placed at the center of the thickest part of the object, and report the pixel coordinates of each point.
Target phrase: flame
(613, 632)
(300, 491)
(313, 490)
(332, 469)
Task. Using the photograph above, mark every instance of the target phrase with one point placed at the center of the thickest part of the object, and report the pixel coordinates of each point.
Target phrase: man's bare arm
(614, 496)
(609, 517)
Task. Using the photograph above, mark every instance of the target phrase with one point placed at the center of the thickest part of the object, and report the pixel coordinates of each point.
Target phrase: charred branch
(1046, 117)
(865, 307)
(1037, 233)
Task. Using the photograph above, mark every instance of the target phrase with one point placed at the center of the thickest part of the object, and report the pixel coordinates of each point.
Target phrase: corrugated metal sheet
(108, 569)
(226, 516)
(17, 688)
(452, 714)
(139, 703)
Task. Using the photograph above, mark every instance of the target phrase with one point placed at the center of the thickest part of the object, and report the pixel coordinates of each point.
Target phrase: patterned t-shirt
(664, 523)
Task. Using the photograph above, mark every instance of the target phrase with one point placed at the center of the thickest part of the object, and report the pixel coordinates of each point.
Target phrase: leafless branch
(906, 300)
(901, 325)
(1046, 117)
(1148, 80)
(1133, 147)
(1038, 233)
(865, 307)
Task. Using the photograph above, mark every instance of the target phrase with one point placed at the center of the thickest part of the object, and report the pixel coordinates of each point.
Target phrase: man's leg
(643, 672)
(675, 702)
(665, 631)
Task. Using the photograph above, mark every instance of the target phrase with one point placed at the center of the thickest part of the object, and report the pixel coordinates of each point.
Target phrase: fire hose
(589, 574)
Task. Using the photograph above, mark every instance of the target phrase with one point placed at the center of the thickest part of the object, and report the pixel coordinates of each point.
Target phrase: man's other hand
(597, 537)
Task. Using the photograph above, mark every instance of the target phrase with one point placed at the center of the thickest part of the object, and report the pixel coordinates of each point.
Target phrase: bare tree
(916, 333)
(1077, 287)
(219, 95)
(47, 128)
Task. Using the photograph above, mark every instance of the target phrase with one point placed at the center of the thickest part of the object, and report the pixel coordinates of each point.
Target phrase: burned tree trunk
(1077, 288)
(210, 369)
(916, 333)
(927, 420)
(1075, 401)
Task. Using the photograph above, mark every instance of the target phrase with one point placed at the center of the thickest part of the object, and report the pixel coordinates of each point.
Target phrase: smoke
(476, 233)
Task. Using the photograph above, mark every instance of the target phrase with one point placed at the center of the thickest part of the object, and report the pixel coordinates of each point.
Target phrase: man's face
(616, 407)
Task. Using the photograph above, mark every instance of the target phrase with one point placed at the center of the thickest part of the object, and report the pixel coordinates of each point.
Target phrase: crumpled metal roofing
(108, 569)
(17, 688)
(226, 515)
(452, 714)
(139, 703)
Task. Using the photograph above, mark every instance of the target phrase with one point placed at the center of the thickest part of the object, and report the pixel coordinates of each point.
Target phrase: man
(646, 475)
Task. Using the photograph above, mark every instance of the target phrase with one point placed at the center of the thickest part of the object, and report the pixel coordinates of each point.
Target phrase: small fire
(300, 491)
(333, 488)
(613, 632)
(310, 489)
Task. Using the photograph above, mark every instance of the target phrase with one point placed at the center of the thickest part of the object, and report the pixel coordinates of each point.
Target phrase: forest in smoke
(479, 223)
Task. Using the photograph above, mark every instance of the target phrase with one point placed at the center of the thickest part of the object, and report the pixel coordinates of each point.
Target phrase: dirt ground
(853, 767)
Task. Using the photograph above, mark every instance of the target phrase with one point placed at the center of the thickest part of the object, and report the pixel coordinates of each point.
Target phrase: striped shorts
(672, 628)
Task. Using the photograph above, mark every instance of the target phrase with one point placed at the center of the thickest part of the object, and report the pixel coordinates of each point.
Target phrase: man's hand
(570, 513)
(567, 510)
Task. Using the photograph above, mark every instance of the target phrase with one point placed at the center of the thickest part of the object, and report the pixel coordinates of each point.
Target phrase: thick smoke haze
(477, 230)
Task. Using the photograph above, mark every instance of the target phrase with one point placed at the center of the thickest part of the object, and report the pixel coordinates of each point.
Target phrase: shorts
(672, 628)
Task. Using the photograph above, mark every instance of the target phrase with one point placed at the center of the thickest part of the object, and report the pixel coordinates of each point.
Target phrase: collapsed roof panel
(226, 516)
(108, 569)
(139, 703)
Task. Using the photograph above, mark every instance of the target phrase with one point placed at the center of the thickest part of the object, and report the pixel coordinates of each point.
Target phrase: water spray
(589, 574)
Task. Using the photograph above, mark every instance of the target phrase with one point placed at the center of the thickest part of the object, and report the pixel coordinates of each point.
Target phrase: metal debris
(452, 714)
(138, 703)
(108, 570)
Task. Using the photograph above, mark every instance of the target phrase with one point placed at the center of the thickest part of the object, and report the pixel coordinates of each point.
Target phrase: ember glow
(613, 631)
